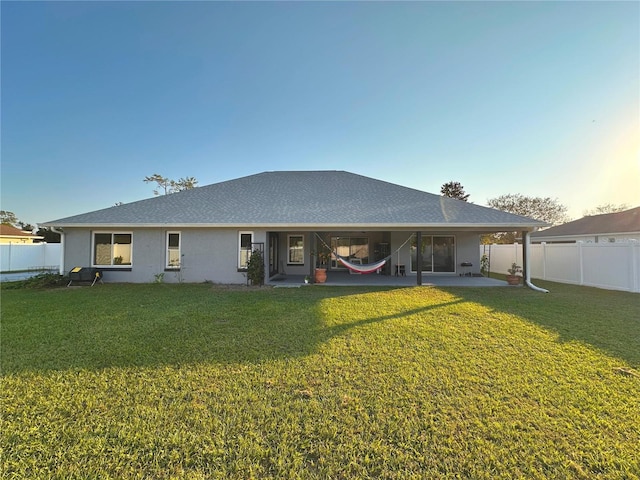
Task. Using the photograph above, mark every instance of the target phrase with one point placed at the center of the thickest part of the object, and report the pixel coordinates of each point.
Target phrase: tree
(167, 186)
(454, 190)
(8, 218)
(606, 208)
(546, 209)
(26, 227)
(49, 235)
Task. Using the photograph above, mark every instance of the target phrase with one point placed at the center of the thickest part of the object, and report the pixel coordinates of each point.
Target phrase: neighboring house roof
(302, 199)
(624, 222)
(8, 231)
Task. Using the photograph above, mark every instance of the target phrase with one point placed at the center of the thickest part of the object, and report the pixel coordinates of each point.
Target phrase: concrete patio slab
(345, 279)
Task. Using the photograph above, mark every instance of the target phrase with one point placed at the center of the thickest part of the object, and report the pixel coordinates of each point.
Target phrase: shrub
(43, 280)
(255, 268)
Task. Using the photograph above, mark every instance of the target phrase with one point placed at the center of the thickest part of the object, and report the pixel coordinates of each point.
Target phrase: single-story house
(11, 234)
(606, 228)
(209, 233)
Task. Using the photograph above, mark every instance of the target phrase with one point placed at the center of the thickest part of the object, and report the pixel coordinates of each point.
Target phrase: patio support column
(312, 257)
(419, 258)
(525, 255)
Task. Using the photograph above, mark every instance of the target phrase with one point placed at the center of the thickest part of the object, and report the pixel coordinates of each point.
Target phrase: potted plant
(320, 275)
(307, 279)
(513, 278)
(484, 265)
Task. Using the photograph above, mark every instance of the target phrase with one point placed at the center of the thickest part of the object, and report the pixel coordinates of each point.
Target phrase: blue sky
(534, 98)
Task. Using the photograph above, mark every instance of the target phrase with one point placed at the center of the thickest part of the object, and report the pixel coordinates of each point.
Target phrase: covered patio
(343, 279)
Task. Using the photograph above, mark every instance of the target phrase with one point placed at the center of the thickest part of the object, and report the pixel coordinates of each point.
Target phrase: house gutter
(527, 264)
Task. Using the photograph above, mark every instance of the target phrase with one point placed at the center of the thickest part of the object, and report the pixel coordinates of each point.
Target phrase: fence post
(635, 261)
(544, 260)
(580, 266)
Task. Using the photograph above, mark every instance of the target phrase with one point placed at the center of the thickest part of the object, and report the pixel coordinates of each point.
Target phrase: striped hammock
(357, 268)
(367, 268)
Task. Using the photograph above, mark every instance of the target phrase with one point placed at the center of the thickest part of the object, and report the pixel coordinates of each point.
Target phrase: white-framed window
(245, 241)
(296, 249)
(112, 249)
(173, 256)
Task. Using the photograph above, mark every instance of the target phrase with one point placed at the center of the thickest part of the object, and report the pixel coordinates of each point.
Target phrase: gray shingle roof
(627, 221)
(300, 199)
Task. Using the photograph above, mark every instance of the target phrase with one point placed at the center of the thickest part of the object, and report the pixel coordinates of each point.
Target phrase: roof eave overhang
(495, 227)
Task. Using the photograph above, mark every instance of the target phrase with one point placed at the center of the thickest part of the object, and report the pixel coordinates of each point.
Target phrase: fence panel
(614, 266)
(562, 263)
(23, 257)
(536, 262)
(502, 256)
(607, 266)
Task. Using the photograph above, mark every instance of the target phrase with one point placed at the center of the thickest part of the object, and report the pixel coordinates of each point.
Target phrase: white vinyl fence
(614, 266)
(18, 257)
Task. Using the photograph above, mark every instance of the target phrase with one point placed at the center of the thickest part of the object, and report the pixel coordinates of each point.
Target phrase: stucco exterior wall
(77, 248)
(468, 251)
(206, 255)
(212, 254)
(16, 240)
(283, 253)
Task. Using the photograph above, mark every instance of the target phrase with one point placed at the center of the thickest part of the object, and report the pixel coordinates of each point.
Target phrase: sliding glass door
(444, 254)
(438, 254)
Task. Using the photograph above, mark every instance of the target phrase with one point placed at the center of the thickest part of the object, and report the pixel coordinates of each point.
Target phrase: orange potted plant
(320, 275)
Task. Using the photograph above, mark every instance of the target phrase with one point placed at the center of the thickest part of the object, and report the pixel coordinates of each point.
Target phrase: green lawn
(194, 381)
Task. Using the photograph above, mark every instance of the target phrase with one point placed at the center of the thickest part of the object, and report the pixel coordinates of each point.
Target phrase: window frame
(167, 249)
(289, 249)
(242, 267)
(113, 265)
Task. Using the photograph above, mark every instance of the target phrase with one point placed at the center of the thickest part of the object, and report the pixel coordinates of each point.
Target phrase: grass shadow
(152, 325)
(608, 320)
